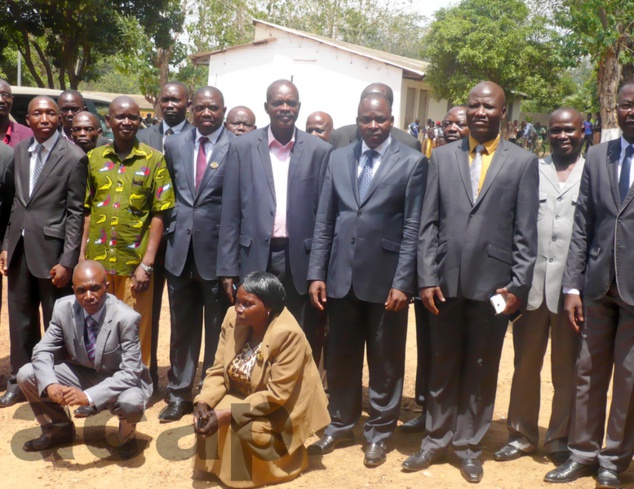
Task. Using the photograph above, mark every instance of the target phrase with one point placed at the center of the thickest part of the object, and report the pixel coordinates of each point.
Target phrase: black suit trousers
(423, 354)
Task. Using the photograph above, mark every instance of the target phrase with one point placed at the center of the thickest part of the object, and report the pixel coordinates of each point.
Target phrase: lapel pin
(214, 165)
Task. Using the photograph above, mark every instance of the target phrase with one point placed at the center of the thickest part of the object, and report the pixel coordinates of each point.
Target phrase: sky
(428, 7)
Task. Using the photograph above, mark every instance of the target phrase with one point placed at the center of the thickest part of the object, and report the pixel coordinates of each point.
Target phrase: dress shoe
(175, 410)
(375, 454)
(608, 479)
(559, 458)
(84, 411)
(508, 453)
(570, 471)
(421, 460)
(327, 444)
(471, 470)
(415, 425)
(129, 449)
(53, 436)
(10, 398)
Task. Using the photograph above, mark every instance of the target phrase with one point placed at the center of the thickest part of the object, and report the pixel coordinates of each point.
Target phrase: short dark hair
(268, 288)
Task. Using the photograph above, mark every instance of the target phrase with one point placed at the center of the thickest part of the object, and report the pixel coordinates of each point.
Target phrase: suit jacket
(369, 244)
(554, 230)
(468, 249)
(601, 249)
(196, 217)
(248, 204)
(52, 218)
(6, 186)
(153, 135)
(346, 135)
(285, 382)
(117, 351)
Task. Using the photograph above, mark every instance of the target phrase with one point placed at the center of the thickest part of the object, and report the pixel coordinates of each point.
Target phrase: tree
(602, 30)
(493, 40)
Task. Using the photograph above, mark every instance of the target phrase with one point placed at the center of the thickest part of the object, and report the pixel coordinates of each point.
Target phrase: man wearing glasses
(11, 133)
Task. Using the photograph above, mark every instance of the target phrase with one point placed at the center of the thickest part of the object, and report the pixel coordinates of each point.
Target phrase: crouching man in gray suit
(97, 336)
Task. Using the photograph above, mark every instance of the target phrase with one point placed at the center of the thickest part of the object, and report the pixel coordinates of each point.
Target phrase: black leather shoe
(508, 453)
(129, 449)
(84, 411)
(327, 444)
(415, 425)
(54, 436)
(559, 458)
(175, 410)
(570, 471)
(375, 454)
(471, 469)
(8, 399)
(421, 460)
(608, 479)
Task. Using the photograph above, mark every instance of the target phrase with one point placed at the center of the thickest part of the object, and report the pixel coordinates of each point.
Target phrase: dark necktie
(624, 179)
(169, 132)
(201, 161)
(365, 178)
(37, 169)
(90, 338)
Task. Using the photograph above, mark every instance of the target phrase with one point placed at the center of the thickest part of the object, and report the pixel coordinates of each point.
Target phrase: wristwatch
(146, 268)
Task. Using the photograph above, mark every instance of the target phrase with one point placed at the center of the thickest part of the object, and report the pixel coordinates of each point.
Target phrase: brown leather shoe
(54, 435)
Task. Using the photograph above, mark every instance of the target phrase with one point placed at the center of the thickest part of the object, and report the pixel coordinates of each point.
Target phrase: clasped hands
(207, 421)
(67, 396)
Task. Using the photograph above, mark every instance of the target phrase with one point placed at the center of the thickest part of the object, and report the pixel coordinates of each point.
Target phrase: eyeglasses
(625, 107)
(6, 95)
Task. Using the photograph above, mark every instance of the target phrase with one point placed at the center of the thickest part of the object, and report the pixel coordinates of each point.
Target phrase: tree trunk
(608, 78)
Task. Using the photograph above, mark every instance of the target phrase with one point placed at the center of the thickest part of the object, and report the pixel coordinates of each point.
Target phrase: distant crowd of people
(289, 255)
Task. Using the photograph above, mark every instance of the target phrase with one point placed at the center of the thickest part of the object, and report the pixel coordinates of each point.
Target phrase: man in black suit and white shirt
(196, 160)
(599, 265)
(41, 245)
(270, 198)
(363, 260)
(478, 238)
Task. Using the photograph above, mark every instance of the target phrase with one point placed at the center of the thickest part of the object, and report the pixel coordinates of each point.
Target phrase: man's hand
(3, 263)
(573, 307)
(228, 286)
(56, 393)
(317, 293)
(74, 397)
(205, 420)
(512, 302)
(396, 300)
(140, 280)
(428, 296)
(60, 275)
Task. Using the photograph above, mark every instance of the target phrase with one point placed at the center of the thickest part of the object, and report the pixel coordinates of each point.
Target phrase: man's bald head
(568, 113)
(43, 118)
(281, 84)
(124, 118)
(240, 120)
(319, 124)
(89, 268)
(565, 133)
(209, 91)
(381, 88)
(124, 101)
(486, 107)
(90, 285)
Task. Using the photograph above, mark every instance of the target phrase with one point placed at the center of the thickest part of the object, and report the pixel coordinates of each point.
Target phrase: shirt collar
(177, 128)
(48, 144)
(96, 316)
(213, 137)
(381, 148)
(489, 146)
(275, 142)
(136, 151)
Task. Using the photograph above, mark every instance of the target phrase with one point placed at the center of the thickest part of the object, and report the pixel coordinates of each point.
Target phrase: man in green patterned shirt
(129, 189)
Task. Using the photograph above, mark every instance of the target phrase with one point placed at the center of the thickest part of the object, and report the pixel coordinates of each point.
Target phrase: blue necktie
(365, 179)
(90, 339)
(624, 180)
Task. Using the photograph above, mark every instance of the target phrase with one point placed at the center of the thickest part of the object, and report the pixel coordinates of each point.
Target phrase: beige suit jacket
(287, 390)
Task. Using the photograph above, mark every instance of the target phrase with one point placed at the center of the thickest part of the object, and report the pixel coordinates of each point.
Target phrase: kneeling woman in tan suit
(263, 396)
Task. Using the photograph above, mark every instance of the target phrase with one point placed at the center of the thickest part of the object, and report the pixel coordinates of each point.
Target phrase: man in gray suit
(599, 264)
(559, 178)
(478, 238)
(363, 260)
(174, 104)
(42, 242)
(269, 202)
(89, 356)
(346, 135)
(196, 162)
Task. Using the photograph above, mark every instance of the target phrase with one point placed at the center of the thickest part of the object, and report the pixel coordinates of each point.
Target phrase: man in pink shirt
(11, 133)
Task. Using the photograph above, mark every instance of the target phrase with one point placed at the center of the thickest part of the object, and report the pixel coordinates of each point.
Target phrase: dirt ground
(166, 460)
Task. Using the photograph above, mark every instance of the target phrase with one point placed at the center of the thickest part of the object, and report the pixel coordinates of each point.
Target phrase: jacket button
(358, 213)
(554, 238)
(189, 231)
(550, 260)
(266, 238)
(352, 240)
(560, 199)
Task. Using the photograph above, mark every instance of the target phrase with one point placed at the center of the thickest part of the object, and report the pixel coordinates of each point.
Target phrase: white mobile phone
(498, 303)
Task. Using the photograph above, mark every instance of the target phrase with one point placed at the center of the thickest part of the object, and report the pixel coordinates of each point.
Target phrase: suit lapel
(612, 162)
(51, 162)
(353, 162)
(296, 156)
(22, 172)
(265, 159)
(575, 176)
(187, 151)
(233, 344)
(547, 168)
(217, 155)
(462, 158)
(78, 331)
(104, 331)
(387, 163)
(499, 158)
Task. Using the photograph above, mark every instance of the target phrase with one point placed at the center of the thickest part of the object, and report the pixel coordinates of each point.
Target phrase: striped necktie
(365, 178)
(476, 170)
(37, 169)
(90, 337)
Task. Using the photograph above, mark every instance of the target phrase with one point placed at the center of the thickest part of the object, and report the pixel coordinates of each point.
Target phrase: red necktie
(201, 162)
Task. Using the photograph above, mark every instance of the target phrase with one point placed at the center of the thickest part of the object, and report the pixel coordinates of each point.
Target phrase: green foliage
(494, 40)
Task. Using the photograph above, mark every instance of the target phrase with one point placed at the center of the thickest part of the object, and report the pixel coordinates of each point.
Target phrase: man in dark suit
(42, 242)
(599, 264)
(71, 103)
(90, 356)
(196, 161)
(478, 238)
(346, 135)
(174, 104)
(364, 260)
(270, 198)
